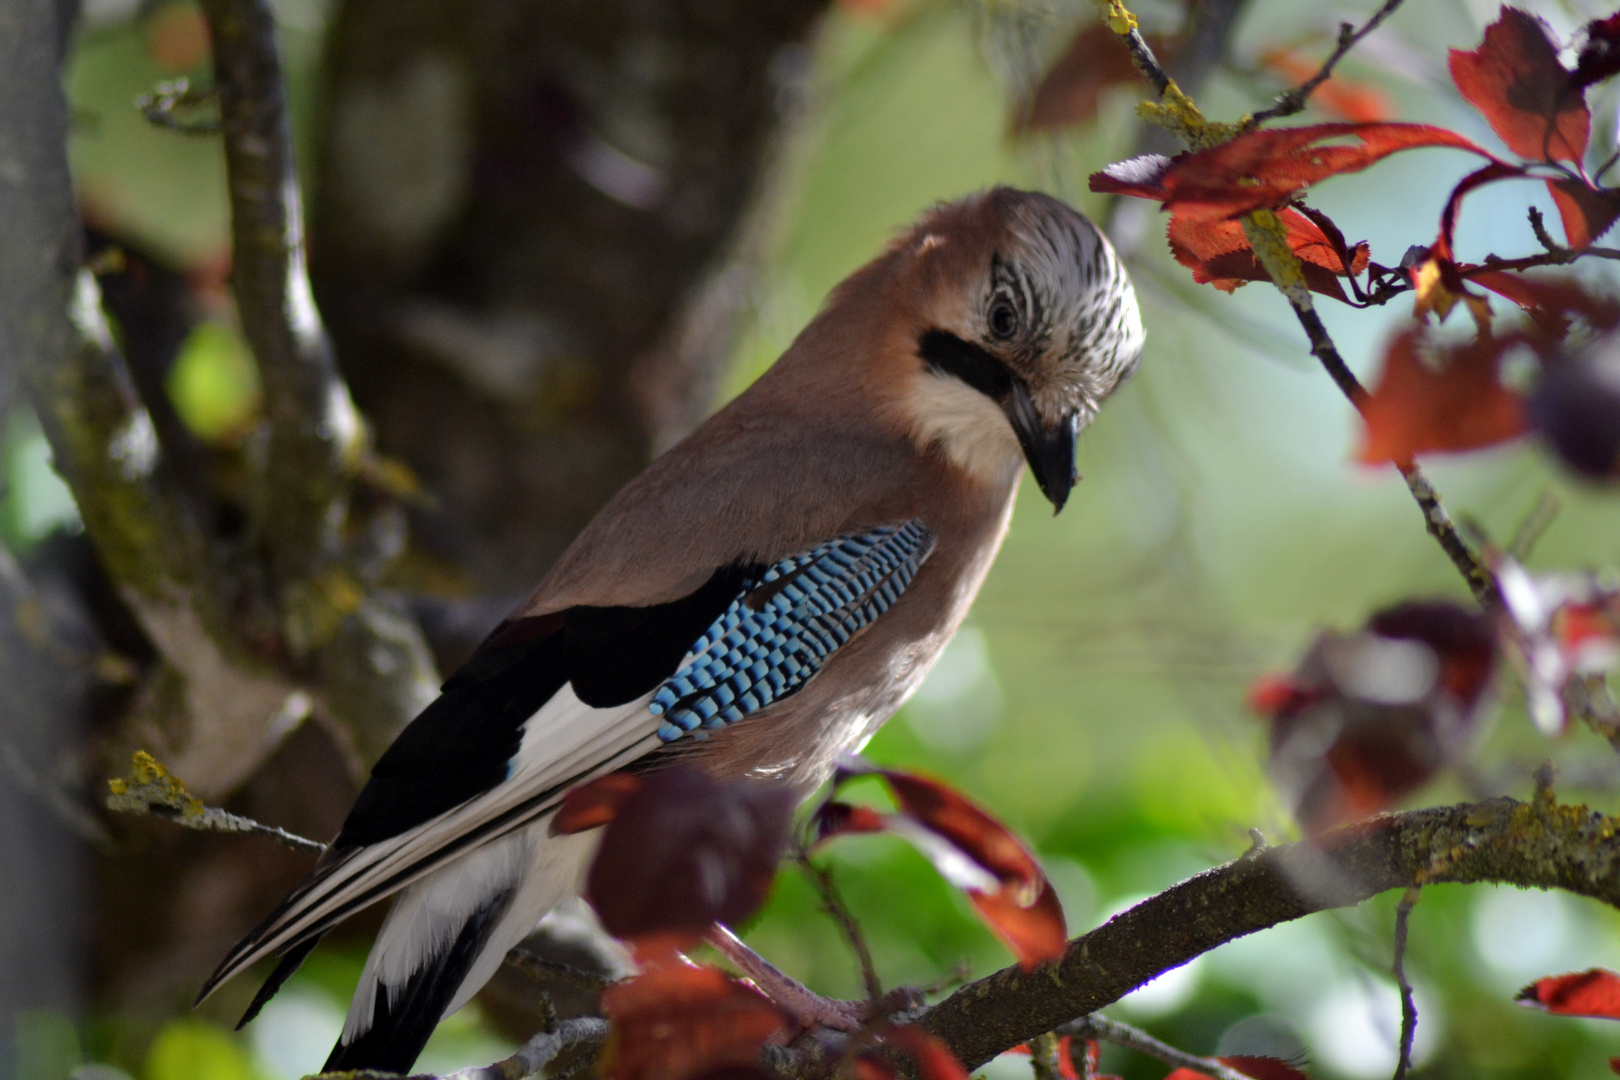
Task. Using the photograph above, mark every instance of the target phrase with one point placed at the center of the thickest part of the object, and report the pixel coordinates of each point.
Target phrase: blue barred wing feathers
(782, 627)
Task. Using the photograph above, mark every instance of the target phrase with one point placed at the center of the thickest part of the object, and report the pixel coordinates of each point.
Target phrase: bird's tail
(446, 936)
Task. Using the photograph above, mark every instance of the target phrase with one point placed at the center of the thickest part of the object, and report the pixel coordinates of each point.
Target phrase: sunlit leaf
(1517, 82)
(1433, 396)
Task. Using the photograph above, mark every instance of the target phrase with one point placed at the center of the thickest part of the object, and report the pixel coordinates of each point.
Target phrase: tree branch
(370, 657)
(1532, 845)
(314, 430)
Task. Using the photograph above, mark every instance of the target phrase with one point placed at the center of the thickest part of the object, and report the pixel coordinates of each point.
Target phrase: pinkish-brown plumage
(984, 336)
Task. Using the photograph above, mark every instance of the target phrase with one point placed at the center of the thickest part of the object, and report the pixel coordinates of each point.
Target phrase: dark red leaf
(1375, 714)
(1349, 100)
(1269, 167)
(1587, 993)
(1457, 404)
(1600, 56)
(1263, 1068)
(934, 1059)
(593, 803)
(684, 852)
(977, 854)
(1035, 933)
(1096, 60)
(1142, 177)
(677, 1021)
(1614, 1064)
(836, 818)
(1586, 212)
(948, 812)
(1550, 300)
(1516, 81)
(1219, 254)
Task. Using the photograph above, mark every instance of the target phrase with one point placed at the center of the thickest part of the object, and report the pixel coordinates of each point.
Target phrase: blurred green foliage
(1096, 701)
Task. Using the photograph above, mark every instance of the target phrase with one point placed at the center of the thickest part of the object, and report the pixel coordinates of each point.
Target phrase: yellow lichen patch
(152, 787)
(1176, 112)
(1265, 232)
(1119, 17)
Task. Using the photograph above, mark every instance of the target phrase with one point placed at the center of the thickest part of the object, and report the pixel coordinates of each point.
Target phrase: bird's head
(1024, 321)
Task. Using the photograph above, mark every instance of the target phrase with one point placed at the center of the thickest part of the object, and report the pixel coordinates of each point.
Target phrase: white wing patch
(563, 743)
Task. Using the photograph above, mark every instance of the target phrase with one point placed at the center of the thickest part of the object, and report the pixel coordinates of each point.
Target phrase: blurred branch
(103, 441)
(314, 431)
(1293, 101)
(374, 667)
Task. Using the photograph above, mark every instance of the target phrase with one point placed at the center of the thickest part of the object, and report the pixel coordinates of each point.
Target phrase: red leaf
(1219, 254)
(934, 1059)
(1349, 100)
(1586, 212)
(1069, 93)
(835, 818)
(1587, 993)
(593, 803)
(684, 852)
(948, 812)
(1268, 167)
(1491, 173)
(977, 854)
(1417, 409)
(1142, 177)
(677, 1021)
(1517, 82)
(1035, 934)
(1550, 300)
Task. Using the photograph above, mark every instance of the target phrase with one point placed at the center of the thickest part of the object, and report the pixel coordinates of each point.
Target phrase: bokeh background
(1096, 698)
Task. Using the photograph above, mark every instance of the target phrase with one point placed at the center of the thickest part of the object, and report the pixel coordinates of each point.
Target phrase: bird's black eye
(1003, 319)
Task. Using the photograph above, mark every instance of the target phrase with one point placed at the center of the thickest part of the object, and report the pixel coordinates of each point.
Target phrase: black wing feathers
(461, 745)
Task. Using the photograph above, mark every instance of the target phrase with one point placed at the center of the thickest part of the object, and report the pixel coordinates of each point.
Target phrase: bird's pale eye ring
(1003, 319)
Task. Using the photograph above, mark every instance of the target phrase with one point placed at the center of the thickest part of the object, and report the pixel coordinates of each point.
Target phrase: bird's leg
(800, 1002)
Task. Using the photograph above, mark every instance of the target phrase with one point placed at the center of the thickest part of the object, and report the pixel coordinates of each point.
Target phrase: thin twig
(154, 792)
(1097, 1026)
(821, 880)
(559, 1054)
(1538, 225)
(1403, 915)
(1294, 100)
(1435, 517)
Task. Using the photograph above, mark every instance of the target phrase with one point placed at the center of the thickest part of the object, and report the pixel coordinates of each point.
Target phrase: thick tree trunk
(521, 219)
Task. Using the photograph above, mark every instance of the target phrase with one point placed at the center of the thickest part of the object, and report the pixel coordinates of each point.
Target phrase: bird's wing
(551, 700)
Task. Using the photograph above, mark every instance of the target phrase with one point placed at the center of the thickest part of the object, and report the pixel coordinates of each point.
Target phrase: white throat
(968, 427)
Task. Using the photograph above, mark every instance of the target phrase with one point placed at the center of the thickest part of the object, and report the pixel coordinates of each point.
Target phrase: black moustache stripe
(947, 354)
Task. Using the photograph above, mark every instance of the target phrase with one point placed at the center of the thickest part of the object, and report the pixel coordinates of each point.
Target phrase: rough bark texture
(518, 204)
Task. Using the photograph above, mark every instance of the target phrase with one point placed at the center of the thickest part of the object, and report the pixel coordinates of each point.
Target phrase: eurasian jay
(757, 602)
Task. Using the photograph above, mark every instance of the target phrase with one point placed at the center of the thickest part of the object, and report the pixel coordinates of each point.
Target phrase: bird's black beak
(1049, 450)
